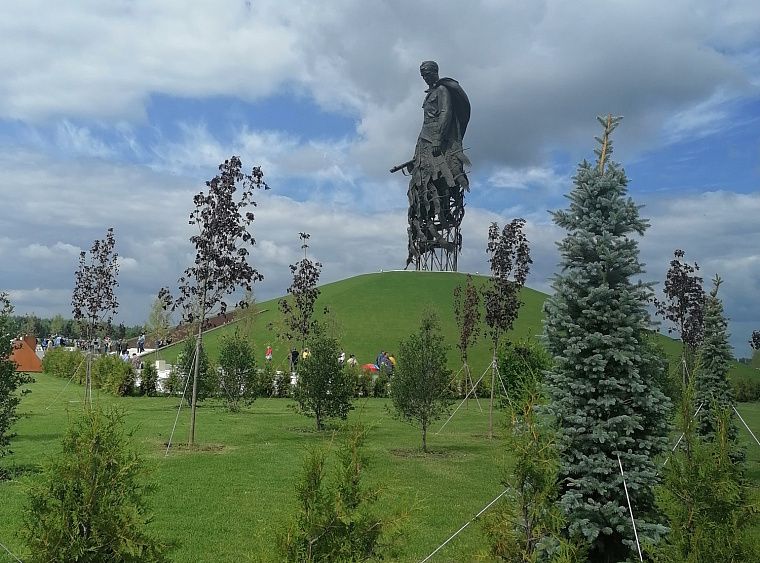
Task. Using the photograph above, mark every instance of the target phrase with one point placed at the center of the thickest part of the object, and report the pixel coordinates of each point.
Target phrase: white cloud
(60, 249)
(535, 75)
(80, 141)
(525, 178)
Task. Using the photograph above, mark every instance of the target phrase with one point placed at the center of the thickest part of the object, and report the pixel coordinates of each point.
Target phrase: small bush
(113, 375)
(522, 366)
(265, 380)
(363, 384)
(324, 390)
(710, 504)
(63, 363)
(380, 384)
(149, 379)
(746, 388)
(174, 383)
(335, 520)
(208, 379)
(282, 385)
(238, 380)
(11, 381)
(89, 505)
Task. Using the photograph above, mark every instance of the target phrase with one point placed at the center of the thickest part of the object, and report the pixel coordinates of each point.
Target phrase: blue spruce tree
(711, 385)
(602, 388)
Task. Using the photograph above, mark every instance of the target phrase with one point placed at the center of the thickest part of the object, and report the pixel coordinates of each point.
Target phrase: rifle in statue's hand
(398, 167)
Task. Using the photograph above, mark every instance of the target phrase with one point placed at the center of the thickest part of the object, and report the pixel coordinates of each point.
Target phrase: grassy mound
(375, 311)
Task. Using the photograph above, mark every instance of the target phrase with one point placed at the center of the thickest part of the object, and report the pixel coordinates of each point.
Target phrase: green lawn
(230, 505)
(375, 311)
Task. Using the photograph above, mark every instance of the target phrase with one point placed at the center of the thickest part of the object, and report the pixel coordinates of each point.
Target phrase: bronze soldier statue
(438, 179)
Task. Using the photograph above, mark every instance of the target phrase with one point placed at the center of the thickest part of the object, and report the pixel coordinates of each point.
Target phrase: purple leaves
(93, 300)
(509, 256)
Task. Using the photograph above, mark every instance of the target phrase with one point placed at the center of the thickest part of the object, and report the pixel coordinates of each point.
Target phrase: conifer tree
(711, 385)
(11, 381)
(602, 388)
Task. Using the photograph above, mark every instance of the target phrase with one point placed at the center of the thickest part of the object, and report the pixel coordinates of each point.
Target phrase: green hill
(375, 311)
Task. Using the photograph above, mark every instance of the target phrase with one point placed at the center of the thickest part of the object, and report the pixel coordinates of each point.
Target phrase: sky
(114, 114)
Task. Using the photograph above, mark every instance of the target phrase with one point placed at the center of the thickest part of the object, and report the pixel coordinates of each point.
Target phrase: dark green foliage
(297, 307)
(522, 366)
(11, 381)
(113, 375)
(237, 378)
(381, 383)
(335, 521)
(265, 380)
(364, 384)
(149, 379)
(208, 384)
(63, 363)
(89, 504)
(711, 385)
(746, 388)
(283, 387)
(109, 372)
(526, 524)
(324, 388)
(174, 383)
(711, 507)
(420, 385)
(602, 386)
(669, 380)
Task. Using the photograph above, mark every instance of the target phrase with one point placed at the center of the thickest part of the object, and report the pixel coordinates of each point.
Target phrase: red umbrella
(370, 367)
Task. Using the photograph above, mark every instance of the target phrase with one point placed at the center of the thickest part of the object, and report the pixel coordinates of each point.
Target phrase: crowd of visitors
(384, 360)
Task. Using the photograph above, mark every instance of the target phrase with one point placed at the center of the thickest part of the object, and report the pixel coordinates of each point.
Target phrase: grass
(230, 500)
(375, 311)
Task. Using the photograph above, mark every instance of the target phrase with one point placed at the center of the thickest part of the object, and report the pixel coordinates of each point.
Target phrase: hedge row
(109, 372)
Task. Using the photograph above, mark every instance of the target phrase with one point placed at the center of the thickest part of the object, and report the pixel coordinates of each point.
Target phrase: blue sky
(115, 114)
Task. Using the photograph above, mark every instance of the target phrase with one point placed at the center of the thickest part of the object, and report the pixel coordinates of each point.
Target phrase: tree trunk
(466, 383)
(424, 437)
(196, 371)
(88, 366)
(493, 383)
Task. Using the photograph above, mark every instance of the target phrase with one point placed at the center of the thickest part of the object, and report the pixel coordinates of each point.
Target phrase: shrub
(324, 389)
(89, 505)
(363, 383)
(63, 363)
(711, 507)
(335, 521)
(113, 375)
(420, 386)
(237, 376)
(10, 379)
(282, 384)
(522, 366)
(174, 383)
(526, 525)
(208, 379)
(746, 388)
(149, 379)
(381, 383)
(265, 380)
